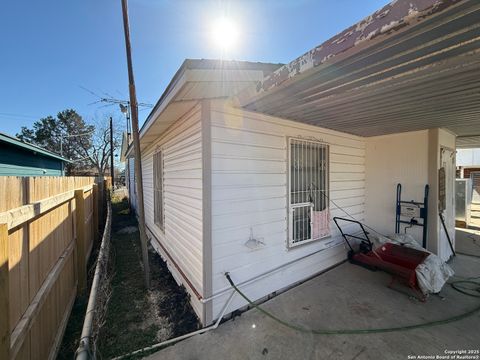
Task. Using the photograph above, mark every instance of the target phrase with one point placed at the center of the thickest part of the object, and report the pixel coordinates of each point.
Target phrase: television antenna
(108, 100)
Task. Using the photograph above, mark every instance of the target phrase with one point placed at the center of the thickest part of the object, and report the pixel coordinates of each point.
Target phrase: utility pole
(112, 172)
(136, 146)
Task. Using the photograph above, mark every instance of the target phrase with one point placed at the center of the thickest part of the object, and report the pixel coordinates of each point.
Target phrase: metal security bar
(158, 189)
(308, 179)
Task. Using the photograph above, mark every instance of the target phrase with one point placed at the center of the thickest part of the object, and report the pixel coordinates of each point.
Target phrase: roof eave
(34, 148)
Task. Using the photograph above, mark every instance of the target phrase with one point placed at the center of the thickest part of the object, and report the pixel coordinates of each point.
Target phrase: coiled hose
(467, 287)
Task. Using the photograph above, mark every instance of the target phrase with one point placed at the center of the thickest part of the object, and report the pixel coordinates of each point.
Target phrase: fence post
(4, 295)
(81, 250)
(101, 200)
(95, 212)
(106, 190)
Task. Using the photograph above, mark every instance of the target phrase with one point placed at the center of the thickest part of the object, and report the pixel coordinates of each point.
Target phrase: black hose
(455, 285)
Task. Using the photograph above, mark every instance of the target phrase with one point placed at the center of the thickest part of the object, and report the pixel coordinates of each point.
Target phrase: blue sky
(53, 48)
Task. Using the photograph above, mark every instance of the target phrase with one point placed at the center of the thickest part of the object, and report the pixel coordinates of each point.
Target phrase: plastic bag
(432, 274)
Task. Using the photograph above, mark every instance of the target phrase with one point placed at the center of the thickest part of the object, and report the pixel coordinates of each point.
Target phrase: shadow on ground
(346, 297)
(137, 317)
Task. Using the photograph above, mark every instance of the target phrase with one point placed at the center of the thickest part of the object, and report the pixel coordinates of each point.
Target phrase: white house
(244, 164)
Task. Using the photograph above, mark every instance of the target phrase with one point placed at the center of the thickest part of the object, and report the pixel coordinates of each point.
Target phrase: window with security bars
(158, 214)
(309, 216)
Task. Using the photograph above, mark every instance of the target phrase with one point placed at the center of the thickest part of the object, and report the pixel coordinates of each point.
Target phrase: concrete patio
(346, 297)
(467, 241)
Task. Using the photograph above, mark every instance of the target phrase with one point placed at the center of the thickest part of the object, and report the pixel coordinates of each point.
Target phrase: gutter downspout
(84, 352)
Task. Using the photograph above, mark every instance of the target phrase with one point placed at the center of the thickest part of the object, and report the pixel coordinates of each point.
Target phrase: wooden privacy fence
(48, 226)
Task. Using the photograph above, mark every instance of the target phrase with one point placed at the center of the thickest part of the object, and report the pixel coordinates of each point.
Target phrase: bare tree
(97, 153)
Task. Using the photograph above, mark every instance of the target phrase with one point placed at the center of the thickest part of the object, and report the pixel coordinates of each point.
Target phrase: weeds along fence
(48, 226)
(100, 293)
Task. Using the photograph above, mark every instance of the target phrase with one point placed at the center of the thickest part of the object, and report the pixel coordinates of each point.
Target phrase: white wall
(438, 243)
(182, 235)
(392, 159)
(468, 157)
(412, 159)
(249, 190)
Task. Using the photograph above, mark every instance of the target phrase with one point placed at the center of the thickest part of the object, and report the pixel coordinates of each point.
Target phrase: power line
(2, 114)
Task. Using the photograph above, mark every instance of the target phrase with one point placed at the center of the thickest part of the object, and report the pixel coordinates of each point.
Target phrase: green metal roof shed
(18, 158)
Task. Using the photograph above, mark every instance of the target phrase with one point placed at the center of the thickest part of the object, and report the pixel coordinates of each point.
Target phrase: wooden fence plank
(101, 199)
(22, 214)
(19, 215)
(4, 295)
(42, 228)
(27, 320)
(95, 214)
(63, 325)
(81, 240)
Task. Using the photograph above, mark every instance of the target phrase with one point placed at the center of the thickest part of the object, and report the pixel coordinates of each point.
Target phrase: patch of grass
(127, 327)
(124, 212)
(73, 330)
(126, 308)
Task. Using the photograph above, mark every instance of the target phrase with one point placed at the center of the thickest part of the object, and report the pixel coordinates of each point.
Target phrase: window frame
(158, 219)
(290, 243)
(134, 175)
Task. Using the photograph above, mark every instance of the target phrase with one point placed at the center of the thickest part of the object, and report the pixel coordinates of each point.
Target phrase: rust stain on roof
(385, 21)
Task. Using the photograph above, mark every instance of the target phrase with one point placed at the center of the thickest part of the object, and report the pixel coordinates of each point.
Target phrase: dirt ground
(73, 330)
(137, 317)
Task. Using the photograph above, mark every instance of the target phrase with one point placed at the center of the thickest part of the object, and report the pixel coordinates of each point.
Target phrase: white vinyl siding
(250, 194)
(158, 213)
(182, 200)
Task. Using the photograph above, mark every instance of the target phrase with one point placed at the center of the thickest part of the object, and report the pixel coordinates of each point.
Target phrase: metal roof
(468, 142)
(411, 65)
(27, 146)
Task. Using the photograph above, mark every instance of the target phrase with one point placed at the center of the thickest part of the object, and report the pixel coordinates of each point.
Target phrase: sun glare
(225, 33)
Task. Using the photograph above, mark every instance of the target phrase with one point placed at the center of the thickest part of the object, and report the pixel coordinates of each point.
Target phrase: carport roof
(411, 65)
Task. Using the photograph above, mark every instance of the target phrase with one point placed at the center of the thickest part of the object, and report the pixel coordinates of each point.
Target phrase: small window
(158, 214)
(133, 183)
(134, 179)
(309, 216)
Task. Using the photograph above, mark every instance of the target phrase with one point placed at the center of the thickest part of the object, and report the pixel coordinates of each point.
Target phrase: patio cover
(411, 65)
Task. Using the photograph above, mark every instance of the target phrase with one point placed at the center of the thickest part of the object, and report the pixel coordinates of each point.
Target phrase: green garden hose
(464, 286)
(457, 285)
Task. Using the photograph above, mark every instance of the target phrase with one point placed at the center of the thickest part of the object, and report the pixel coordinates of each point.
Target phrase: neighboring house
(468, 167)
(468, 161)
(129, 171)
(86, 171)
(244, 164)
(18, 158)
